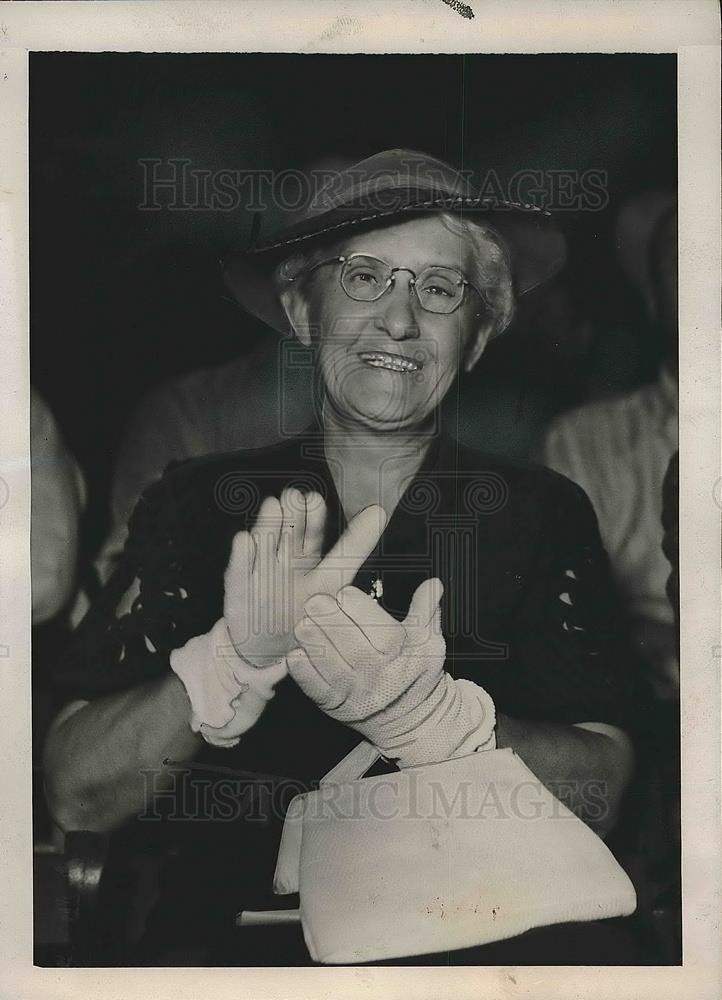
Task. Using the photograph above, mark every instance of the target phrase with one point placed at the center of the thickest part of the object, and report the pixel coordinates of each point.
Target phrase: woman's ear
(296, 307)
(476, 345)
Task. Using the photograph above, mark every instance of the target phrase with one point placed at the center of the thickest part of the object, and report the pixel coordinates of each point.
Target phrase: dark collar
(429, 491)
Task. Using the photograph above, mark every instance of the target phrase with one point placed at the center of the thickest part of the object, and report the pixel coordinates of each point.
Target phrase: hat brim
(537, 248)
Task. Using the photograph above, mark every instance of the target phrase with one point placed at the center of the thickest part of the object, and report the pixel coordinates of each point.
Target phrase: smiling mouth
(391, 362)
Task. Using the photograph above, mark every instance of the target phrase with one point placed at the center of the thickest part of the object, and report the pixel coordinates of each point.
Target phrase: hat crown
(390, 170)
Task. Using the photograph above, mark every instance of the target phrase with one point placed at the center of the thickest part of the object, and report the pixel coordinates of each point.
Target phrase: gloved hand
(277, 566)
(386, 679)
(227, 695)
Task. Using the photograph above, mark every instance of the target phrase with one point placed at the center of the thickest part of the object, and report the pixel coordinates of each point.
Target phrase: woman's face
(388, 364)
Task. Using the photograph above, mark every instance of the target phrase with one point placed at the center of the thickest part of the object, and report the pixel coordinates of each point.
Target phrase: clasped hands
(287, 610)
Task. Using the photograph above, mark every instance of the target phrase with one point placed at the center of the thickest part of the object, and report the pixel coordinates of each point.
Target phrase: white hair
(491, 273)
(491, 268)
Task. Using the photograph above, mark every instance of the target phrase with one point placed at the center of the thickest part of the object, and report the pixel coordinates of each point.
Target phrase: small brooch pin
(377, 589)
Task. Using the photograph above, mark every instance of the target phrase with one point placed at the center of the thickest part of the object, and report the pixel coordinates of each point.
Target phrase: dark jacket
(529, 613)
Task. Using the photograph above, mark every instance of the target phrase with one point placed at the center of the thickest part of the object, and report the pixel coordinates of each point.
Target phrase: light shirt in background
(251, 402)
(618, 451)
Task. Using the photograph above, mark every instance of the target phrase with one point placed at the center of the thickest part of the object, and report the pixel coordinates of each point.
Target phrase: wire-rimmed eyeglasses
(365, 278)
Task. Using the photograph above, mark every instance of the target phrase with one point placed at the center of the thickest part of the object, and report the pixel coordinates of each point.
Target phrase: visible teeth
(390, 361)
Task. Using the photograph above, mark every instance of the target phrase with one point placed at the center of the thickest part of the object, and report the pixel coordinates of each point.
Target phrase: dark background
(122, 299)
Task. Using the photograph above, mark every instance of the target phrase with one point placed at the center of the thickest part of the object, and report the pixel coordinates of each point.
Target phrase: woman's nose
(398, 316)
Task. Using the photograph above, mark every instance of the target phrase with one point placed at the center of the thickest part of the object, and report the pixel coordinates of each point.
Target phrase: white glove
(387, 680)
(277, 566)
(227, 695)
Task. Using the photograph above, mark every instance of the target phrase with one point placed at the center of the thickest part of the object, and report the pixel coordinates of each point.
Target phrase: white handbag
(440, 857)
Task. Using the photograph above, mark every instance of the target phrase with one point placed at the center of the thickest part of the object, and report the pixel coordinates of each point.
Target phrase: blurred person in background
(252, 401)
(618, 449)
(504, 406)
(623, 452)
(244, 403)
(58, 499)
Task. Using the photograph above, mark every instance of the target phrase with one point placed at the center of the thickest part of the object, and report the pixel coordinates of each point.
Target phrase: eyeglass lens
(439, 289)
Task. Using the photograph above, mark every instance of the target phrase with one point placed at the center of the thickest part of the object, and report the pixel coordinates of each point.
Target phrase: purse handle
(354, 765)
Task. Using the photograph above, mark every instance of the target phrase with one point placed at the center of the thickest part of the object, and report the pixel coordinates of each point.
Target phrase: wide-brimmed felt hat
(393, 184)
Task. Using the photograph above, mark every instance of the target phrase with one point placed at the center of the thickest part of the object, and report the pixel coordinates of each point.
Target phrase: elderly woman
(265, 602)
